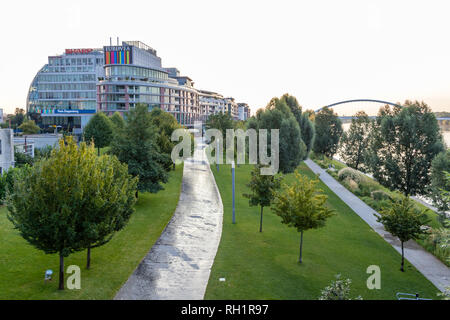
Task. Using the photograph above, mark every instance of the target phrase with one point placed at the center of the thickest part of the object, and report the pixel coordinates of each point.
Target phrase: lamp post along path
(233, 186)
(217, 154)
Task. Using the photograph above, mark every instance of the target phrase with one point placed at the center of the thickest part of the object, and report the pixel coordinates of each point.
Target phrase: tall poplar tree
(328, 131)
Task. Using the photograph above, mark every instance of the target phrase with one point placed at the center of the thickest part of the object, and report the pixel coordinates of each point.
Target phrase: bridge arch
(359, 100)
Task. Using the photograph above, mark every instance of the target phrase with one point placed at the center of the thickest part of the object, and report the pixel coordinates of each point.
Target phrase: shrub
(338, 290)
(3, 188)
(379, 195)
(438, 243)
(350, 173)
(351, 184)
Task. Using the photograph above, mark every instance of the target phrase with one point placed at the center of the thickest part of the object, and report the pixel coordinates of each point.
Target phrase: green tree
(354, 142)
(43, 152)
(302, 206)
(293, 105)
(278, 115)
(3, 188)
(55, 203)
(262, 189)
(306, 126)
(328, 128)
(18, 118)
(21, 159)
(166, 124)
(404, 221)
(137, 146)
(110, 207)
(99, 130)
(29, 127)
(292, 148)
(404, 141)
(439, 183)
(308, 131)
(117, 121)
(220, 121)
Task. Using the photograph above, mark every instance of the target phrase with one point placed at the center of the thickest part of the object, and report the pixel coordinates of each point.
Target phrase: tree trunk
(260, 222)
(88, 260)
(403, 259)
(61, 272)
(137, 194)
(301, 247)
(98, 151)
(174, 166)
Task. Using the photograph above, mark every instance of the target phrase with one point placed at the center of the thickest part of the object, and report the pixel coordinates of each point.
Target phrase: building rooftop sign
(118, 54)
(78, 51)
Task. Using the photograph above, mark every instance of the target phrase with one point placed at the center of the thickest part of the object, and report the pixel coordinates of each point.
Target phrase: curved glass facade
(133, 71)
(73, 86)
(64, 91)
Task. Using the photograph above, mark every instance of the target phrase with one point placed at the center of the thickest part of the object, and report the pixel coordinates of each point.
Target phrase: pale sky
(320, 51)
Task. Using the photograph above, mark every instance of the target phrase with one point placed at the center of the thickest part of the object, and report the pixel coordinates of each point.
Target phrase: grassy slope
(264, 265)
(432, 216)
(22, 266)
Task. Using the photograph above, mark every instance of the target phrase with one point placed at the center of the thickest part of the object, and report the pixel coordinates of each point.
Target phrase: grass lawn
(432, 216)
(22, 266)
(370, 185)
(264, 265)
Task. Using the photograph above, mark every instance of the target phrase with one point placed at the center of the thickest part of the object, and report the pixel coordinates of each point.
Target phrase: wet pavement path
(179, 264)
(430, 266)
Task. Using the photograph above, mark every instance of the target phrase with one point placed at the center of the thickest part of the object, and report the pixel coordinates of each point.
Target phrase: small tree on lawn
(404, 221)
(302, 206)
(55, 203)
(110, 205)
(100, 130)
(262, 188)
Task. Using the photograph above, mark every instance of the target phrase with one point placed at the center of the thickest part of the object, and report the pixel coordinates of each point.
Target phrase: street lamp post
(217, 154)
(233, 186)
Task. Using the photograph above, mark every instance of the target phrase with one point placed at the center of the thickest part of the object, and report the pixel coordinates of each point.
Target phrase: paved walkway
(431, 267)
(179, 264)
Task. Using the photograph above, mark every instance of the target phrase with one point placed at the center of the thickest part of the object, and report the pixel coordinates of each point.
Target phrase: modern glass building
(64, 92)
(134, 74)
(73, 86)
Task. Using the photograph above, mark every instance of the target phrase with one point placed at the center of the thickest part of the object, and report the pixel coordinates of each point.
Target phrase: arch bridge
(365, 102)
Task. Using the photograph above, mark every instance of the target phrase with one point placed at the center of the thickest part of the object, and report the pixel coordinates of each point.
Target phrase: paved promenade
(431, 267)
(179, 264)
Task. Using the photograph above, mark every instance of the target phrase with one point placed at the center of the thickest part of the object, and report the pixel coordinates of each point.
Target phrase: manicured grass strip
(433, 216)
(264, 265)
(22, 266)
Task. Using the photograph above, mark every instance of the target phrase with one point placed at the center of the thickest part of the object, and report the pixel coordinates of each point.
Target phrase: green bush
(350, 173)
(3, 188)
(438, 243)
(351, 185)
(379, 195)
